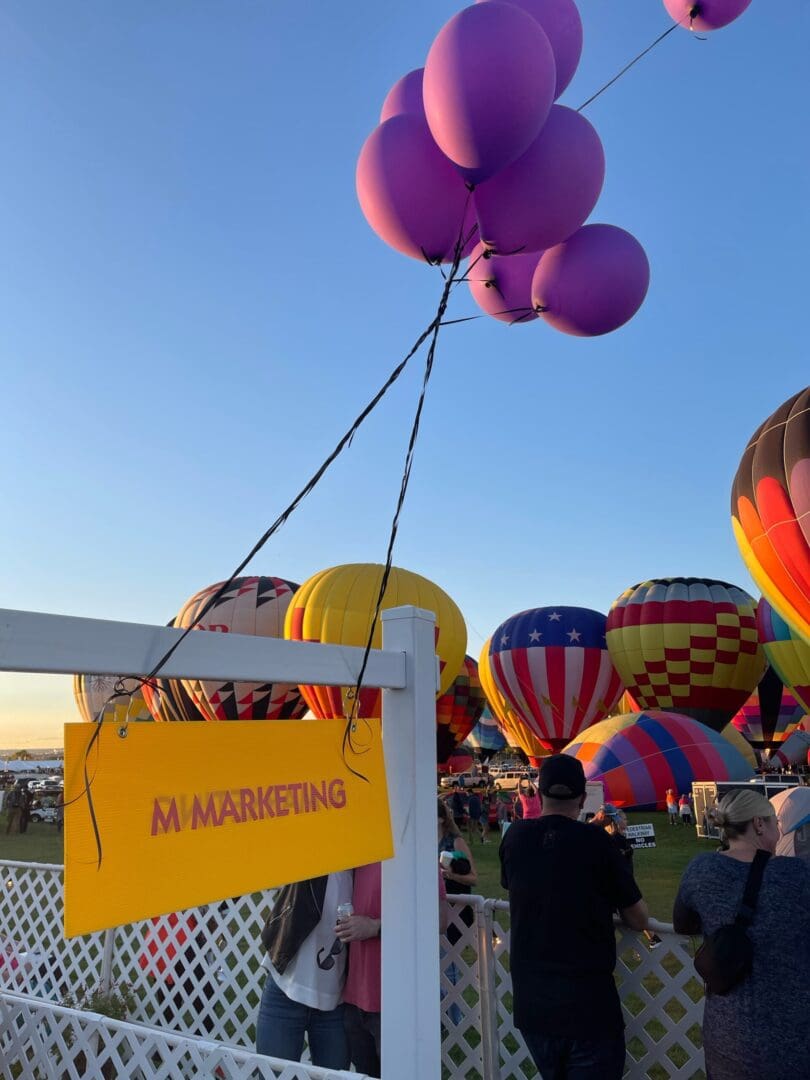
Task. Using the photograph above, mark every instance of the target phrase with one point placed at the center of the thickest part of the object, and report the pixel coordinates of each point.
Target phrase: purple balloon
(404, 96)
(543, 197)
(710, 14)
(563, 26)
(411, 195)
(488, 87)
(501, 285)
(593, 283)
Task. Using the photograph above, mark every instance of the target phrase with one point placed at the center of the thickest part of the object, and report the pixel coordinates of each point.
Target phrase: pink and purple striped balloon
(639, 756)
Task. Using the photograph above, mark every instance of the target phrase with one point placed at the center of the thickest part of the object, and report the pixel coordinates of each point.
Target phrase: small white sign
(641, 836)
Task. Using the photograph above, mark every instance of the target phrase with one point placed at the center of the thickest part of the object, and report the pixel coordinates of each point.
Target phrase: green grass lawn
(40, 843)
(658, 870)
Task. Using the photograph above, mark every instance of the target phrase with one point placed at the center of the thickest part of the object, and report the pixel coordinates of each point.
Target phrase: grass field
(41, 843)
(658, 870)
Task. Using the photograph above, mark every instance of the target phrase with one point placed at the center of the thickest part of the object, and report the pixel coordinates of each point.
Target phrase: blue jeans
(282, 1024)
(577, 1059)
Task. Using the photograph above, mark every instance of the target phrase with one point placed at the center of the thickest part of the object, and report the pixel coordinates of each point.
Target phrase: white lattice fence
(661, 999)
(34, 956)
(461, 989)
(43, 1041)
(198, 973)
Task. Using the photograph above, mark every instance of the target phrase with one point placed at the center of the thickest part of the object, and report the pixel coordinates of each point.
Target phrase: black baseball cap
(562, 777)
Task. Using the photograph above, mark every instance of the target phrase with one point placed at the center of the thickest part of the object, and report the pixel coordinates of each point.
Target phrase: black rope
(450, 280)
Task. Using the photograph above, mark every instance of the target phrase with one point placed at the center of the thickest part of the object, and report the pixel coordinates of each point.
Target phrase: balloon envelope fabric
(639, 756)
(458, 710)
(91, 694)
(553, 668)
(770, 714)
(770, 510)
(787, 653)
(336, 607)
(250, 605)
(687, 644)
(739, 742)
(514, 730)
(486, 736)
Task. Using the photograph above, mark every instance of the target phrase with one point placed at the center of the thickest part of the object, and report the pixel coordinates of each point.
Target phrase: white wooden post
(411, 1038)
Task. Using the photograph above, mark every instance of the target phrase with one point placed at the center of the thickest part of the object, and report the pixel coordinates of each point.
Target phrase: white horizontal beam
(64, 645)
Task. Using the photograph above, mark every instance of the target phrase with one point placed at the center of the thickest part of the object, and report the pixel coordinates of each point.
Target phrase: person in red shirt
(362, 994)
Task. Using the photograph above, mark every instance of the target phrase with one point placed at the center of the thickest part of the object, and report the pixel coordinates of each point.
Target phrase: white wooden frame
(407, 671)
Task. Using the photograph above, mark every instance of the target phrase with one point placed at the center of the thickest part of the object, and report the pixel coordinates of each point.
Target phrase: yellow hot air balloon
(515, 730)
(336, 607)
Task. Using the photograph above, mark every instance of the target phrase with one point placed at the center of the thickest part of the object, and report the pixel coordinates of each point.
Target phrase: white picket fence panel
(214, 953)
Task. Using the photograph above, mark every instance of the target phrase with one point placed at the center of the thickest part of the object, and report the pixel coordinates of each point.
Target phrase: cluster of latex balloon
(473, 147)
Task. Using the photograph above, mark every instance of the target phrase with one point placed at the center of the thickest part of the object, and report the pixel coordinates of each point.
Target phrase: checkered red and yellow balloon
(688, 645)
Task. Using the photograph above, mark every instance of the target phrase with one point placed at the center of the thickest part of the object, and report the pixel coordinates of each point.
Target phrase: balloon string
(450, 280)
(634, 61)
(430, 331)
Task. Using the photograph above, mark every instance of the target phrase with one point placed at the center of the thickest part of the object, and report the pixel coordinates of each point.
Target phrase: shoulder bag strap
(749, 901)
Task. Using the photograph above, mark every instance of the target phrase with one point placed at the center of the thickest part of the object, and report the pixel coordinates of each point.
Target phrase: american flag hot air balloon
(552, 666)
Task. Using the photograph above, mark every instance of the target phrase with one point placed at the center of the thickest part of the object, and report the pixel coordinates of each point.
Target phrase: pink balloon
(593, 283)
(563, 26)
(411, 195)
(404, 96)
(710, 14)
(543, 197)
(501, 285)
(488, 86)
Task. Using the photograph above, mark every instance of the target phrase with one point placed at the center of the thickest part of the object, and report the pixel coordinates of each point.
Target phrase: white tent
(793, 813)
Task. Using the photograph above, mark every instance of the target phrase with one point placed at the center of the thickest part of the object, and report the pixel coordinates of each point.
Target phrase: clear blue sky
(192, 308)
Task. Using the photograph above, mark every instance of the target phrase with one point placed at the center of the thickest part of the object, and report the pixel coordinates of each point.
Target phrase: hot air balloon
(514, 730)
(458, 710)
(770, 510)
(91, 693)
(769, 715)
(687, 644)
(486, 737)
(553, 668)
(336, 607)
(250, 605)
(787, 653)
(638, 756)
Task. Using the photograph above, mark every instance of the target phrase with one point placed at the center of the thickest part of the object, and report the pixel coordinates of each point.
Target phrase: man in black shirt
(565, 880)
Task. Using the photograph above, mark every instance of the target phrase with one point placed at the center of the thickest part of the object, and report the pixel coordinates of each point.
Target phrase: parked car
(510, 781)
(43, 813)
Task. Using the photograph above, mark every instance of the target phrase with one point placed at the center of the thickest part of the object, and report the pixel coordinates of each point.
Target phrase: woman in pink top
(363, 990)
(529, 800)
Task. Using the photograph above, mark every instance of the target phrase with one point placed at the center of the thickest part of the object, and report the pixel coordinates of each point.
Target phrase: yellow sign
(190, 814)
